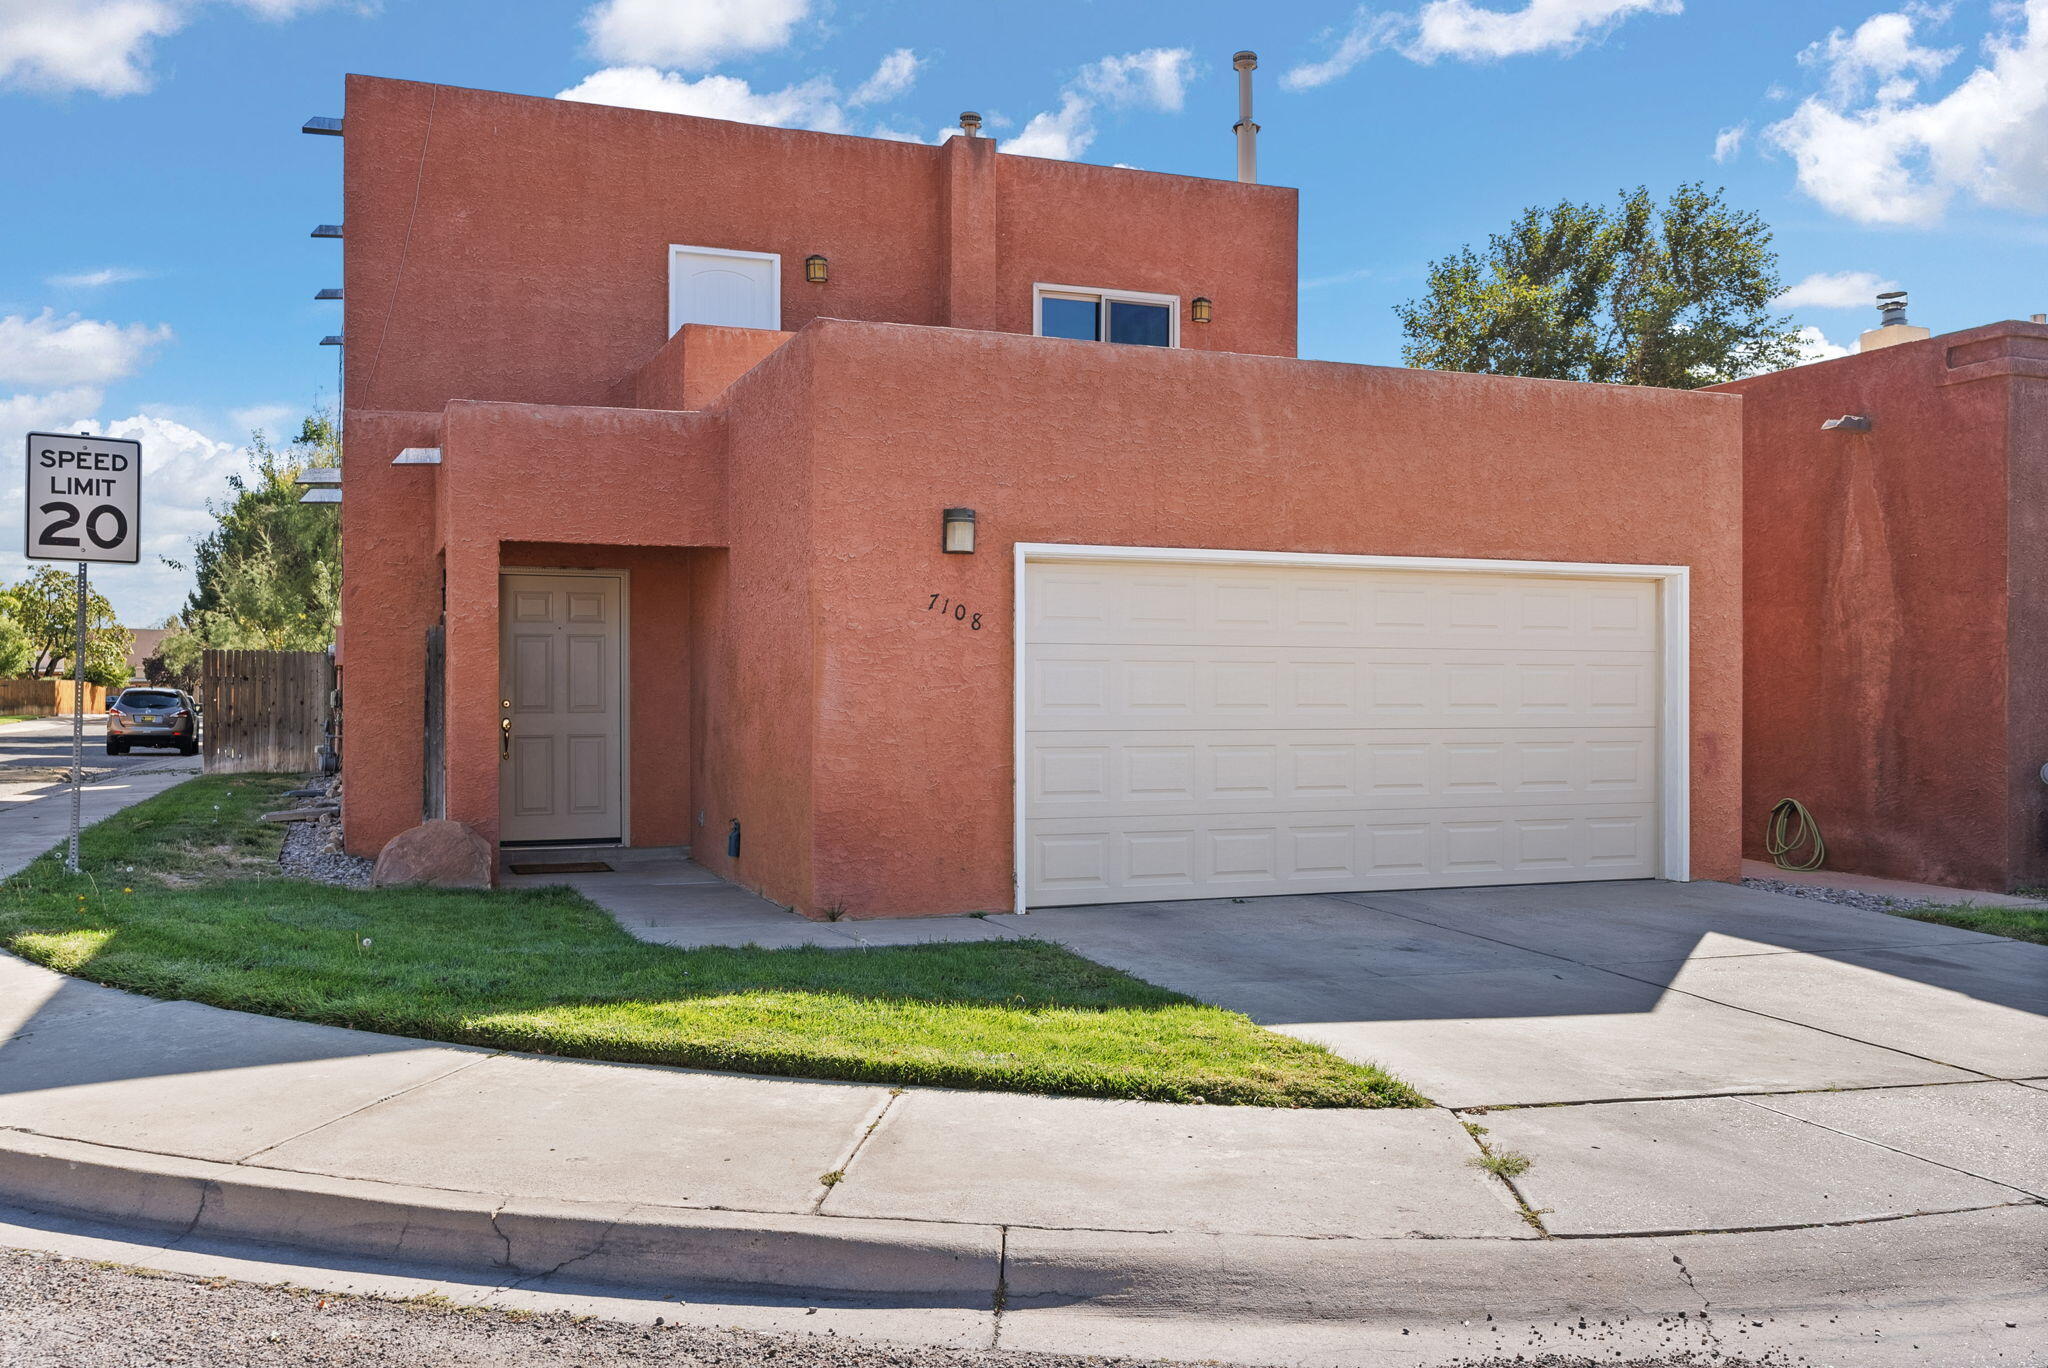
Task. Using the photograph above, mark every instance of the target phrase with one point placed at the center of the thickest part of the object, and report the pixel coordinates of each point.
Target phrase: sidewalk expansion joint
(829, 1181)
(1791, 1225)
(1001, 1300)
(251, 1157)
(1894, 1149)
(1481, 1108)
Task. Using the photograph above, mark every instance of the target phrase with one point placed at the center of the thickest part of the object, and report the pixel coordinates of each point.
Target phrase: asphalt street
(70, 1313)
(45, 744)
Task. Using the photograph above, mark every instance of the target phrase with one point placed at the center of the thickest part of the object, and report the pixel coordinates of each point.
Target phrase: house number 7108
(945, 607)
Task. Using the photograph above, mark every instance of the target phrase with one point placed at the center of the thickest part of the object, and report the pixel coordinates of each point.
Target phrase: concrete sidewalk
(1052, 1222)
(1899, 1219)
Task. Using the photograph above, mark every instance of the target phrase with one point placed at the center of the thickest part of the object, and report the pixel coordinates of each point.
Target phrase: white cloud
(1835, 290)
(1814, 346)
(1728, 142)
(1061, 134)
(103, 46)
(1868, 147)
(97, 45)
(1156, 77)
(93, 280)
(50, 351)
(1471, 32)
(894, 75)
(690, 34)
(812, 104)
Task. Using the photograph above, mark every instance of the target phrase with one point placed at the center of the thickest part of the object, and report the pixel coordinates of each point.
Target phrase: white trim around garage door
(1674, 634)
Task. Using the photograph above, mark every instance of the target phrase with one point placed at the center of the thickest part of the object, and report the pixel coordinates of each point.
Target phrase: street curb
(624, 1244)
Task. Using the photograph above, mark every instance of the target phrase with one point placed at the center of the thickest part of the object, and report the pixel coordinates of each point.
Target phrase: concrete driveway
(1597, 991)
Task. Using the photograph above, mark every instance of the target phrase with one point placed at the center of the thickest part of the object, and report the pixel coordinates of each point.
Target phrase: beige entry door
(1204, 731)
(561, 658)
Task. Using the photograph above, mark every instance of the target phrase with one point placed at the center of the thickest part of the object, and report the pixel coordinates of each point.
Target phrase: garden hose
(1789, 827)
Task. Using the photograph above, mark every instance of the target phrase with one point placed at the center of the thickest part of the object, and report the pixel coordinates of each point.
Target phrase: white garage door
(1198, 731)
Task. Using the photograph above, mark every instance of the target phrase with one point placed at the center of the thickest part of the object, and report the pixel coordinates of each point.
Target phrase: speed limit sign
(84, 498)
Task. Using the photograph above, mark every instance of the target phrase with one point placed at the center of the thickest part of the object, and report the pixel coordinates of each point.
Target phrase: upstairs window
(1139, 320)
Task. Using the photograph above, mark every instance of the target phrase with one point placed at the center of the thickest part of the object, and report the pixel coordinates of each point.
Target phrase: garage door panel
(1093, 774)
(1179, 687)
(1082, 861)
(1202, 731)
(1137, 604)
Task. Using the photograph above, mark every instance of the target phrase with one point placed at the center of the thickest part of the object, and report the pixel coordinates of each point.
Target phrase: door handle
(504, 738)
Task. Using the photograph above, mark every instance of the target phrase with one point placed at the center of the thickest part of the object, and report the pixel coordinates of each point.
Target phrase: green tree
(45, 605)
(17, 653)
(106, 660)
(269, 574)
(1639, 294)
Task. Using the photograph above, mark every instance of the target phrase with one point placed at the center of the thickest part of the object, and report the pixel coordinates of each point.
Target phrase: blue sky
(156, 277)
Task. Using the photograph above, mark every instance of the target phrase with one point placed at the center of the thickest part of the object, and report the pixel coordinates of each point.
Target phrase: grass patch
(2014, 923)
(5, 718)
(181, 898)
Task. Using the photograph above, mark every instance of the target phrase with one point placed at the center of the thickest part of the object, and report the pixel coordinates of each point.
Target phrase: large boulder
(439, 853)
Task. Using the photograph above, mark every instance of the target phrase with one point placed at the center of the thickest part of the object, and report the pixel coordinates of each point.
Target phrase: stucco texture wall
(1893, 586)
(909, 773)
(507, 247)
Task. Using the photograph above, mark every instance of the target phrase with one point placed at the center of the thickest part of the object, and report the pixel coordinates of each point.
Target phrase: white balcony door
(561, 664)
(728, 288)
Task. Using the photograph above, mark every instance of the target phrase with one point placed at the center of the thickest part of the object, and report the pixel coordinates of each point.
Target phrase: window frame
(1105, 298)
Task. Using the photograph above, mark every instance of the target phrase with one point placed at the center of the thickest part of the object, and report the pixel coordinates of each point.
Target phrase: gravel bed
(312, 850)
(1846, 897)
(72, 1313)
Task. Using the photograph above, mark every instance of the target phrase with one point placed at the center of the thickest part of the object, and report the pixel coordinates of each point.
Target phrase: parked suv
(153, 717)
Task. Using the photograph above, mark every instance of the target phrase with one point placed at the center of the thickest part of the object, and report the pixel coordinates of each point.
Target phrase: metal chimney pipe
(1247, 131)
(1891, 308)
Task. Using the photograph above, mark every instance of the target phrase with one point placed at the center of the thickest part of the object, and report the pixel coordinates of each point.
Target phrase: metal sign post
(77, 729)
(84, 505)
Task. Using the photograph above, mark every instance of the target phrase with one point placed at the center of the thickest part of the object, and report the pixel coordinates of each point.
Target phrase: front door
(561, 655)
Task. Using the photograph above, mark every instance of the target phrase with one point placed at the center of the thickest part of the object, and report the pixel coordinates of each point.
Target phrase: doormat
(572, 867)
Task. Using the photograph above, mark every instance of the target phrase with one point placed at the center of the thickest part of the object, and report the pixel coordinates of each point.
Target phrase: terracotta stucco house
(653, 422)
(1896, 604)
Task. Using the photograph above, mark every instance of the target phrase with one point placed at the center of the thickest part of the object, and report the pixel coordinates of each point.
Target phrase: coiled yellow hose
(1791, 826)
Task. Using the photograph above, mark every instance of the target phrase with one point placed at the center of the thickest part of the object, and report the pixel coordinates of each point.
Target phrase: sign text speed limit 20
(84, 498)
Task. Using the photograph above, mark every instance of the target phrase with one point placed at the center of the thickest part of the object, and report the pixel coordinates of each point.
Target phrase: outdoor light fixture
(958, 535)
(1848, 422)
(1199, 310)
(817, 270)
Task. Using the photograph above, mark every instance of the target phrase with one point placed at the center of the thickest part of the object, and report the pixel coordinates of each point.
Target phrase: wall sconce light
(957, 536)
(1200, 309)
(817, 270)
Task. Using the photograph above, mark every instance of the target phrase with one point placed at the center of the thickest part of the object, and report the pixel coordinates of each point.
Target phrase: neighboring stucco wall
(2027, 613)
(1887, 594)
(390, 595)
(909, 770)
(696, 366)
(513, 248)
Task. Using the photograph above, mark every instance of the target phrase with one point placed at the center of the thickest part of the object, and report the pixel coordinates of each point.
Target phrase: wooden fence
(46, 697)
(265, 710)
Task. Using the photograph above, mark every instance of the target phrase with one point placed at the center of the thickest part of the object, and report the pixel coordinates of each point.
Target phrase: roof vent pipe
(970, 123)
(1247, 131)
(1891, 308)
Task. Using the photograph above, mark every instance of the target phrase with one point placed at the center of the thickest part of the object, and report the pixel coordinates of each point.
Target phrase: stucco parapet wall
(695, 367)
(2009, 349)
(561, 473)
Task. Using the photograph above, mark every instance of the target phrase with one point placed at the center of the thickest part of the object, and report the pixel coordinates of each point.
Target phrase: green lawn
(2018, 923)
(181, 898)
